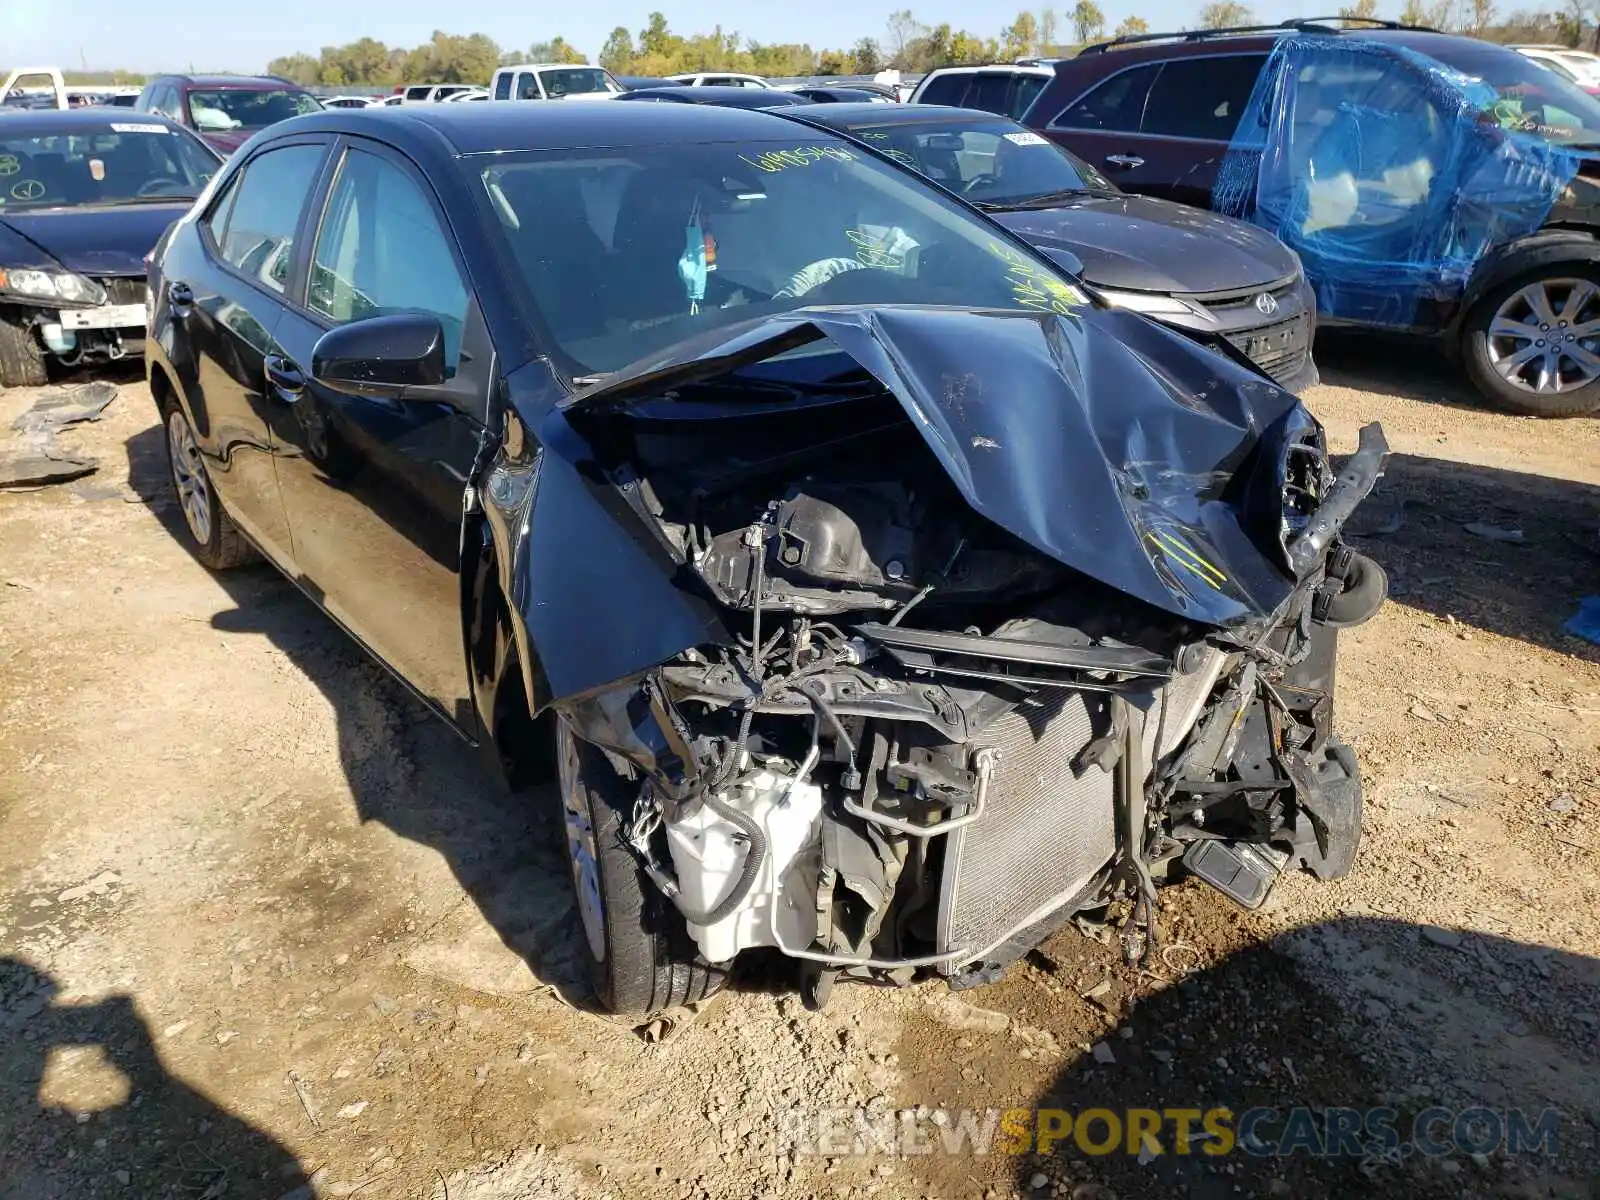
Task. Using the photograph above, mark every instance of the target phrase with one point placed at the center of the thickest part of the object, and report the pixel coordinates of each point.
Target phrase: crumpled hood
(1114, 446)
(98, 240)
(1148, 245)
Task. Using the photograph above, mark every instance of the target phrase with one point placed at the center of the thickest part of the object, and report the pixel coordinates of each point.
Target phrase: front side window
(1201, 97)
(382, 251)
(946, 89)
(222, 109)
(264, 206)
(1115, 106)
(627, 251)
(527, 86)
(120, 163)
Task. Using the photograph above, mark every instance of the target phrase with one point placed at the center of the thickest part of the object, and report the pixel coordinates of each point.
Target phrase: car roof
(484, 128)
(1256, 39)
(223, 81)
(713, 94)
(542, 66)
(1018, 68)
(858, 116)
(57, 121)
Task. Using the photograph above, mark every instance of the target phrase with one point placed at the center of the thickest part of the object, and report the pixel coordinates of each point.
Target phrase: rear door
(229, 298)
(374, 487)
(1161, 128)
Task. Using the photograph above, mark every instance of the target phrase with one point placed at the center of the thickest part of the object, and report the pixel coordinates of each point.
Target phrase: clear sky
(245, 34)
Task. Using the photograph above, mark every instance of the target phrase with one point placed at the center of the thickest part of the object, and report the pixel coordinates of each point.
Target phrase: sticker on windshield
(123, 127)
(28, 189)
(9, 164)
(798, 156)
(1026, 138)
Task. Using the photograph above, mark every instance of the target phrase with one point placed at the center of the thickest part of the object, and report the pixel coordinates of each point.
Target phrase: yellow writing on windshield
(1035, 287)
(797, 156)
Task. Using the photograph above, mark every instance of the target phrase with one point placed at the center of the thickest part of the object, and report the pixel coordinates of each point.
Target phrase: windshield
(572, 81)
(627, 251)
(116, 163)
(1519, 94)
(996, 162)
(242, 108)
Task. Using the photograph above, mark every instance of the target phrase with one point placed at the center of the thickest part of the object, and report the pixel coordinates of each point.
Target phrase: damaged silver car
(886, 604)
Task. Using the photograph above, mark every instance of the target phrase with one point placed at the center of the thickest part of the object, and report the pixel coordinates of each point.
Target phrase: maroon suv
(225, 110)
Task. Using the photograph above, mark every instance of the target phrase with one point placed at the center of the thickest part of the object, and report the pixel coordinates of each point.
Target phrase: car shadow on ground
(1502, 551)
(1356, 1014)
(127, 1127)
(404, 767)
(1390, 365)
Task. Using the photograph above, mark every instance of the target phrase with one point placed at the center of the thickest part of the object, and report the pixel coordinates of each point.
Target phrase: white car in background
(719, 79)
(1579, 66)
(432, 93)
(554, 81)
(348, 101)
(473, 93)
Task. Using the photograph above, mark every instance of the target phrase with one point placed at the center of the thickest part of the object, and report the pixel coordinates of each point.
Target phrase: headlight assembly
(30, 284)
(1152, 304)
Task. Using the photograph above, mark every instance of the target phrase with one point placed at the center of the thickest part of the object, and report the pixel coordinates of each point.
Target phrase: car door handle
(1124, 160)
(288, 379)
(181, 295)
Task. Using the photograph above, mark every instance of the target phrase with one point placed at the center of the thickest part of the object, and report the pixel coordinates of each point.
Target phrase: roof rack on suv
(1295, 25)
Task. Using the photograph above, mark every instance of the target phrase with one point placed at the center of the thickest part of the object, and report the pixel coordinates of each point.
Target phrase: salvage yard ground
(267, 930)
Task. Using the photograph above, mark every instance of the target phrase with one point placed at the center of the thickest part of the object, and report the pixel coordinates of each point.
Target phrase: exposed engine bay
(925, 744)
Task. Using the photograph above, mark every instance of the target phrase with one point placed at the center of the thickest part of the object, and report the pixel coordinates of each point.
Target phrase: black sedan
(85, 194)
(1194, 270)
(879, 599)
(722, 97)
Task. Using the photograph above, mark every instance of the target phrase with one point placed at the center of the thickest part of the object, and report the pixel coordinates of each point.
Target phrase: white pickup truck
(554, 81)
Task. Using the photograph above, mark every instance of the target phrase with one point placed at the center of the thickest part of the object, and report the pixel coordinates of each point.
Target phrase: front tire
(22, 359)
(641, 959)
(214, 538)
(1532, 345)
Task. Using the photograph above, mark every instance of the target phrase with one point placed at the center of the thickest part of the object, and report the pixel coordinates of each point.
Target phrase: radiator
(1044, 834)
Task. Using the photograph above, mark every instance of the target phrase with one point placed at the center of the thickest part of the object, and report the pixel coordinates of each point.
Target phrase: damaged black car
(875, 598)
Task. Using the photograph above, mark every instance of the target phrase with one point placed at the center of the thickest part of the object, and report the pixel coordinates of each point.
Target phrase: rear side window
(1116, 105)
(945, 89)
(1201, 97)
(990, 91)
(382, 251)
(419, 93)
(1025, 90)
(261, 211)
(502, 86)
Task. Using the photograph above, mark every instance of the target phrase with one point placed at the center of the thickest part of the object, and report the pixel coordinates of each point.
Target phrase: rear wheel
(1532, 345)
(22, 358)
(640, 956)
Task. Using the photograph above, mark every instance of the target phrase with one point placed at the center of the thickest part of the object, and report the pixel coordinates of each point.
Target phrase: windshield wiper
(1042, 200)
(170, 198)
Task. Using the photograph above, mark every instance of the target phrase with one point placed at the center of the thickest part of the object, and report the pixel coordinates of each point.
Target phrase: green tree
(833, 62)
(1221, 14)
(1132, 27)
(449, 58)
(1019, 38)
(556, 50)
(656, 38)
(1047, 30)
(300, 68)
(904, 30)
(616, 55)
(1361, 10)
(866, 58)
(1478, 16)
(1088, 22)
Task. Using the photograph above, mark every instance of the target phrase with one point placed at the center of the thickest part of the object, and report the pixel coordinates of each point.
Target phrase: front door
(374, 487)
(230, 299)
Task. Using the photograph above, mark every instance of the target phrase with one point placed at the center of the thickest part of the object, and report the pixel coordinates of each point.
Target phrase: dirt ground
(267, 930)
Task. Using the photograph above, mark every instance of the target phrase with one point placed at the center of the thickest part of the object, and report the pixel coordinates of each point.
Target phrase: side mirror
(381, 355)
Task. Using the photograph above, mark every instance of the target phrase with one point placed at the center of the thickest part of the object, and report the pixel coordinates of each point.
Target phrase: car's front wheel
(1532, 345)
(214, 537)
(640, 957)
(22, 359)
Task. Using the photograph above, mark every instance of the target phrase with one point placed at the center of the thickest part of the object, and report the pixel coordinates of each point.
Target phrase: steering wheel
(985, 180)
(160, 187)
